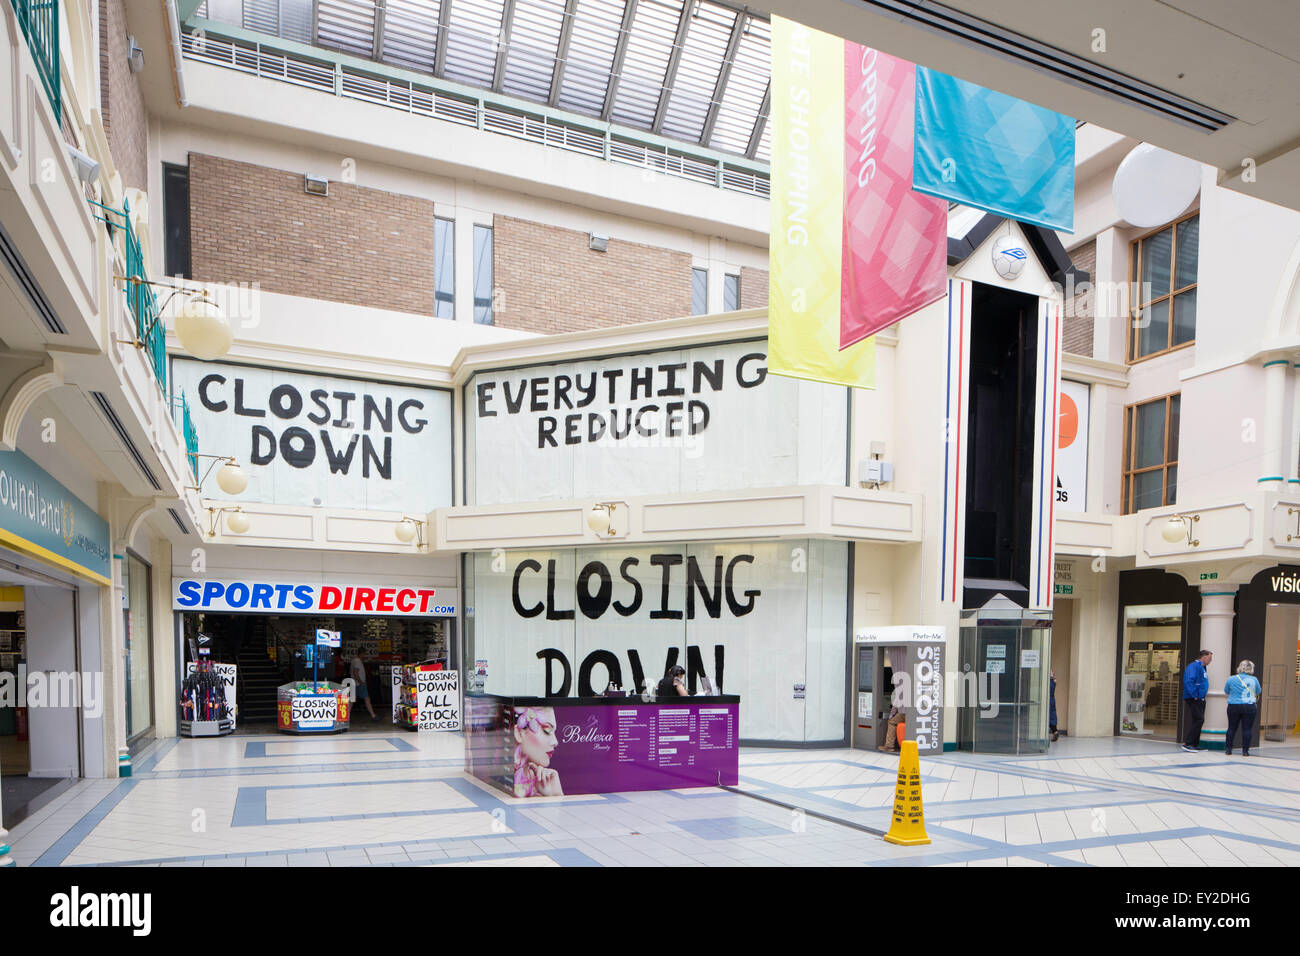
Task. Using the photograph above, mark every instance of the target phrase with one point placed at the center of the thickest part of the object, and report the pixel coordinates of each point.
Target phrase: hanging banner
(985, 149)
(807, 207)
(895, 245)
(1072, 448)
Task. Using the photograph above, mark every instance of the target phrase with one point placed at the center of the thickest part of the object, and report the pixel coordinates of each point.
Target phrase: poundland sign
(42, 518)
(286, 597)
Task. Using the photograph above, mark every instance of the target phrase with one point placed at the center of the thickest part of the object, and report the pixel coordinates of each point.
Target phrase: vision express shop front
(266, 625)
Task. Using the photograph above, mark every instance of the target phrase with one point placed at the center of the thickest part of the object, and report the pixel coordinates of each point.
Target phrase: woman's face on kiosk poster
(535, 733)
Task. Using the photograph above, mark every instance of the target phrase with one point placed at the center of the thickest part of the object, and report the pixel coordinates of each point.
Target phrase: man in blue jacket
(1196, 684)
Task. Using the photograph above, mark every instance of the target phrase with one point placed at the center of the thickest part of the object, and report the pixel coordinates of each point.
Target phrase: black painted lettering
(370, 411)
(417, 426)
(562, 385)
(205, 399)
(295, 456)
(738, 609)
(551, 655)
(612, 375)
(702, 373)
(552, 612)
(627, 610)
(671, 387)
(383, 465)
(612, 669)
(257, 456)
(286, 402)
(318, 396)
(528, 564)
(697, 418)
(344, 398)
(642, 378)
(484, 391)
(240, 408)
(594, 605)
(695, 582)
(339, 461)
(515, 402)
(667, 562)
(546, 432)
(537, 388)
(754, 377)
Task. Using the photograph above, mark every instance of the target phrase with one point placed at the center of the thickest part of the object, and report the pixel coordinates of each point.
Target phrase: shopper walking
(1196, 684)
(1243, 692)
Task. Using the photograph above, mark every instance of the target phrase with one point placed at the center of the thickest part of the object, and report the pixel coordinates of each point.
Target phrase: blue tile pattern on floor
(728, 828)
(1086, 803)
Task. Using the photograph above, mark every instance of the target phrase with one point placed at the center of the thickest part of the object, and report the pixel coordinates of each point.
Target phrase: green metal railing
(139, 293)
(191, 438)
(39, 20)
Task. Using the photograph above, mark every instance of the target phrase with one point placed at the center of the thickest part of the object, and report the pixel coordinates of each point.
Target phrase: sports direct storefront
(763, 618)
(266, 625)
(290, 598)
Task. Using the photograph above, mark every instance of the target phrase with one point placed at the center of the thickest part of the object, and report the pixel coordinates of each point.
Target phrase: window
(444, 269)
(176, 220)
(1164, 283)
(1151, 454)
(699, 291)
(483, 275)
(730, 293)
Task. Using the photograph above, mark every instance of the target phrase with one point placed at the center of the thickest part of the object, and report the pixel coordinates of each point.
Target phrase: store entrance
(1279, 673)
(1150, 689)
(270, 650)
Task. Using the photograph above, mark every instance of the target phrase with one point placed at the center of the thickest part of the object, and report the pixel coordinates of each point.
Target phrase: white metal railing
(411, 97)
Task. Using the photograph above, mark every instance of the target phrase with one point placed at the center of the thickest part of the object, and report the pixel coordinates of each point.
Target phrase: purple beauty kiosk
(551, 746)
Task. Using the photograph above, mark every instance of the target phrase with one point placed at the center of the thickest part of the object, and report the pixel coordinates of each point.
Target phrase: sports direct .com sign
(207, 594)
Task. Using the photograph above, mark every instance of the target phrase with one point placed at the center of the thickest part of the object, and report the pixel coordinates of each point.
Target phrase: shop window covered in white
(766, 620)
(701, 419)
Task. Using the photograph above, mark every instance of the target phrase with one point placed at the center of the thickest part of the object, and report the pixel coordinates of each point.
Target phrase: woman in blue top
(1243, 696)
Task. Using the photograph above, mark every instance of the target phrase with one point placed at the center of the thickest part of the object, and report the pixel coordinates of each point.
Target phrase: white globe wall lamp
(410, 529)
(237, 520)
(231, 477)
(202, 329)
(1178, 529)
(606, 520)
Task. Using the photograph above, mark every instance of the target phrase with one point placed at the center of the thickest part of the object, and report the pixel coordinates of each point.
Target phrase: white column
(1293, 432)
(1277, 439)
(1216, 636)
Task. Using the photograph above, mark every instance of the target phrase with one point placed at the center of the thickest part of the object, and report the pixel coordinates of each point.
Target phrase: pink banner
(894, 250)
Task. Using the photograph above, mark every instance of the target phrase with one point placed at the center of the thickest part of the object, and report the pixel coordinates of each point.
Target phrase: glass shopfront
(1151, 670)
(767, 620)
(139, 648)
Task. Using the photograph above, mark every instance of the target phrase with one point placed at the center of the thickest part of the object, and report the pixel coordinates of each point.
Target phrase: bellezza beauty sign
(310, 439)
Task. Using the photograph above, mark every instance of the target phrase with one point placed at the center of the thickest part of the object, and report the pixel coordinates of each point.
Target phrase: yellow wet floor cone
(908, 825)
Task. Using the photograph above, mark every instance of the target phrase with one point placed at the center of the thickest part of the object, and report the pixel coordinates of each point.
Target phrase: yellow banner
(807, 204)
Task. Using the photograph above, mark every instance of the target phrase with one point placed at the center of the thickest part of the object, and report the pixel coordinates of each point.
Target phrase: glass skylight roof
(696, 71)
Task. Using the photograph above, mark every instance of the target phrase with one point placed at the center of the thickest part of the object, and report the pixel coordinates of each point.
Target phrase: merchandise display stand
(208, 700)
(426, 697)
(308, 707)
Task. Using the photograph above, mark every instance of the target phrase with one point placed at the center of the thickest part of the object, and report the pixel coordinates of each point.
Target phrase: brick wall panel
(362, 246)
(549, 281)
(1076, 336)
(121, 101)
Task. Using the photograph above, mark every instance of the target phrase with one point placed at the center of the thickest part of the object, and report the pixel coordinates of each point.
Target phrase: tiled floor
(394, 799)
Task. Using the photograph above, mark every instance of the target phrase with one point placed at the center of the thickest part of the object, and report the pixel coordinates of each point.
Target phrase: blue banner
(985, 149)
(42, 518)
